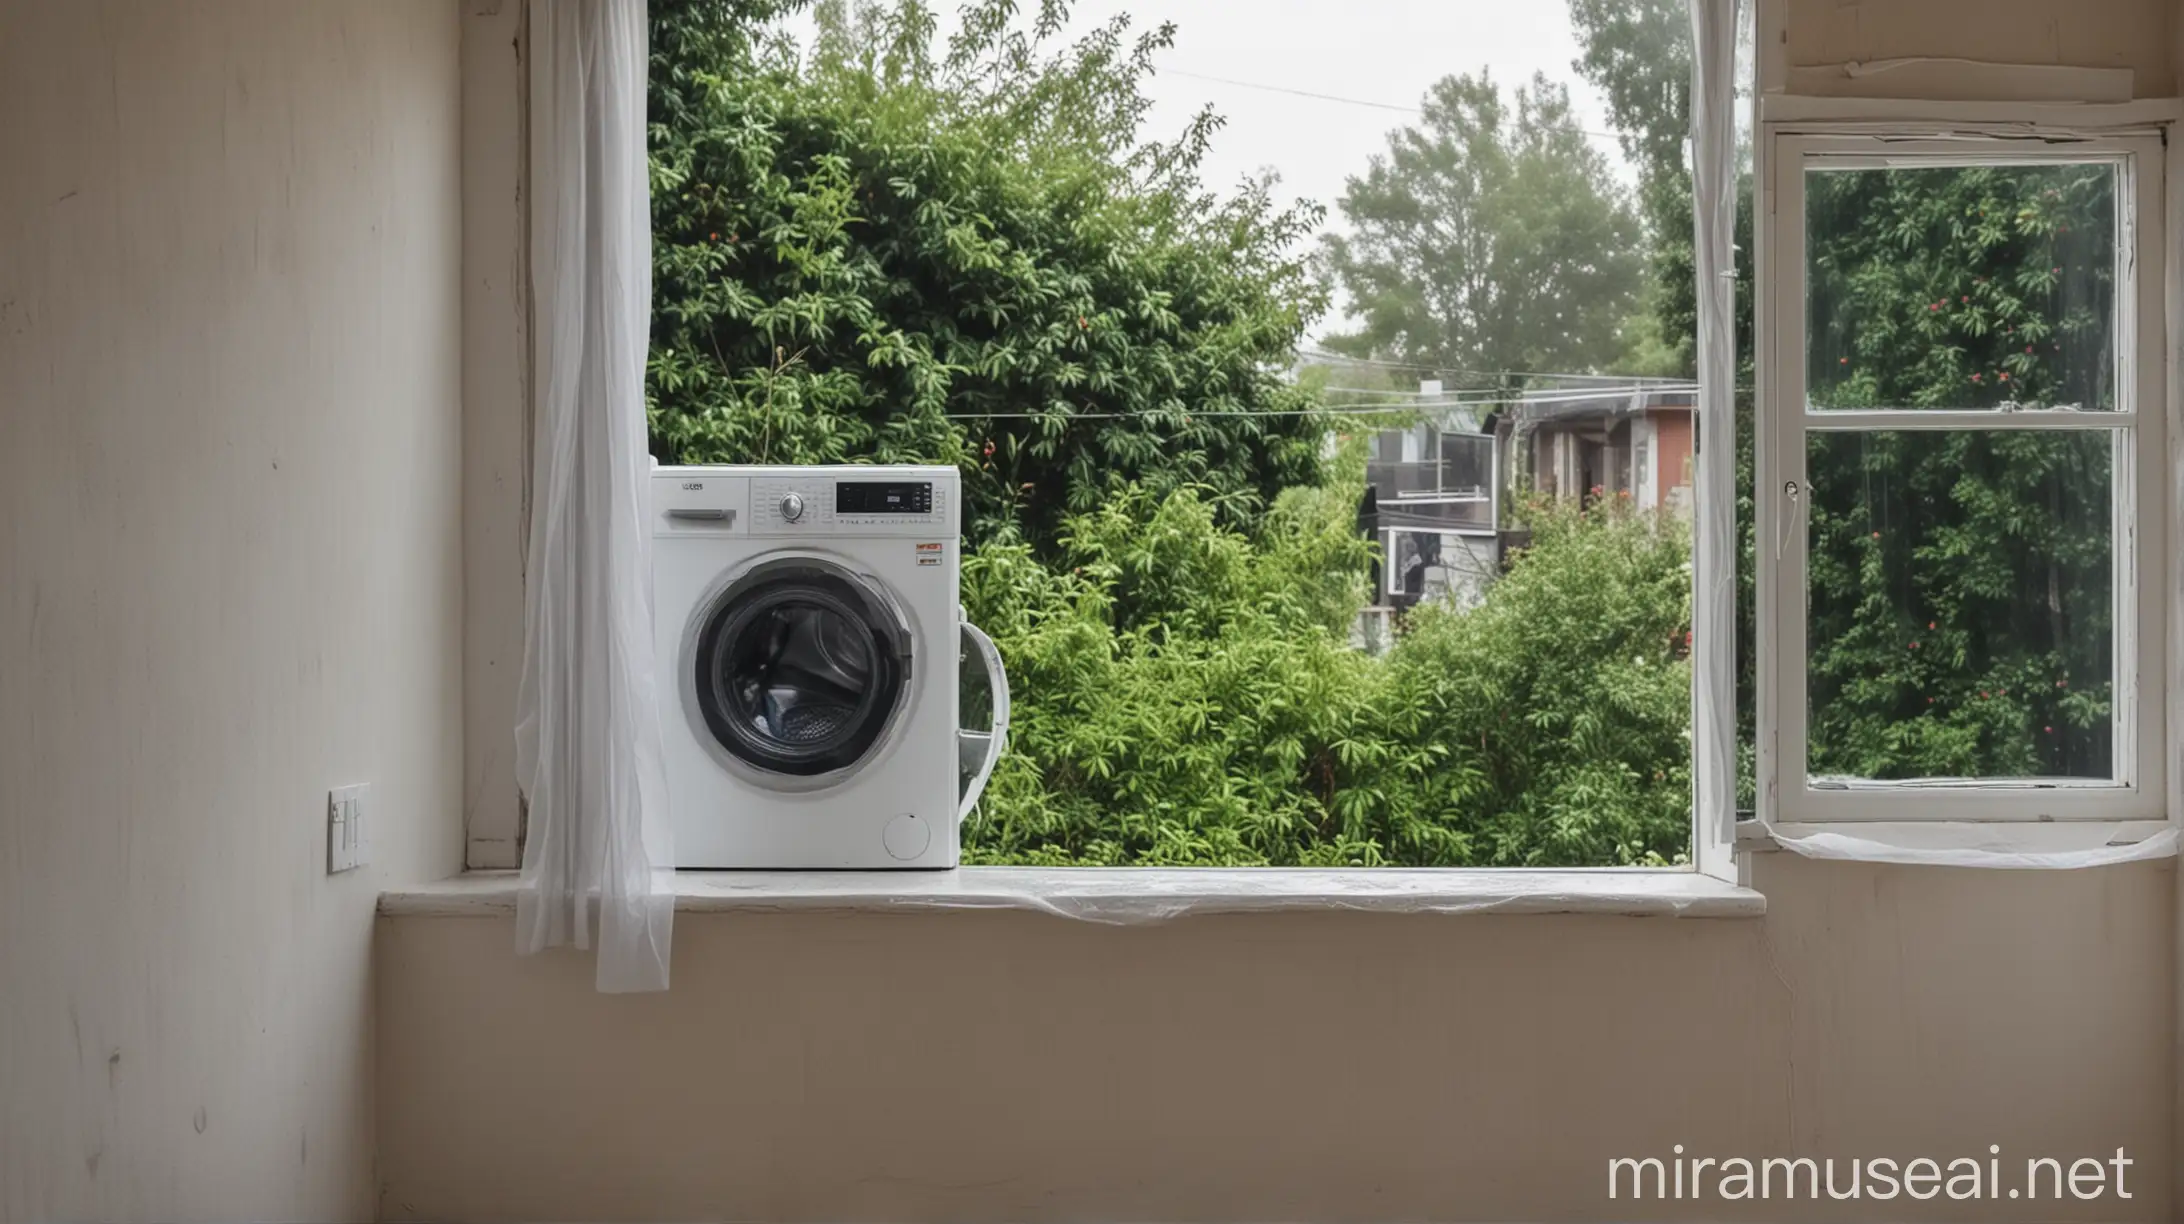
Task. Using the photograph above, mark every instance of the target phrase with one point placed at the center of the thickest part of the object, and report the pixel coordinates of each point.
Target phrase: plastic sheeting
(596, 848)
(2016, 846)
(1714, 589)
(1139, 895)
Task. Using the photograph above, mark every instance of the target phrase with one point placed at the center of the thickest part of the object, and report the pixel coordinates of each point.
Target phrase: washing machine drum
(800, 668)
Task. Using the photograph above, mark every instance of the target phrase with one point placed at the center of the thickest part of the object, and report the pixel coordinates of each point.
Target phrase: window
(1962, 465)
(1340, 519)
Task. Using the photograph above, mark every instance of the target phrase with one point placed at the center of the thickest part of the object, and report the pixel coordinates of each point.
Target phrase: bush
(1189, 696)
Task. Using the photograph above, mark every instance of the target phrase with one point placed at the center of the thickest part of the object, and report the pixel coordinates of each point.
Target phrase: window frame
(2140, 789)
(500, 325)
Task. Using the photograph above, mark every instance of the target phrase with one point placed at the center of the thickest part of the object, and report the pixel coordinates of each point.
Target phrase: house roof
(1606, 404)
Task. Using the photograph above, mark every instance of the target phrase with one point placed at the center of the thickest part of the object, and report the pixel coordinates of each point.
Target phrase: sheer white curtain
(597, 863)
(1714, 607)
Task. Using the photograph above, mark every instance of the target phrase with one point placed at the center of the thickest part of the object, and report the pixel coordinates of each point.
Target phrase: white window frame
(2140, 790)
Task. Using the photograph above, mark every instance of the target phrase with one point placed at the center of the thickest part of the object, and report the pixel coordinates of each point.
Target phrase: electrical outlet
(345, 829)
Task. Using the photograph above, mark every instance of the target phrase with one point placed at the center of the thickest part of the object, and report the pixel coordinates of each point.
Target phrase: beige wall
(230, 578)
(992, 1066)
(2138, 35)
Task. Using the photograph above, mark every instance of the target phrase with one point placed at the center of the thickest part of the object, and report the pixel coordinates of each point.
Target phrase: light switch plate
(345, 828)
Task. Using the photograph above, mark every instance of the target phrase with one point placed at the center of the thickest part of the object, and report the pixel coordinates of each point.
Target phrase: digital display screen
(883, 497)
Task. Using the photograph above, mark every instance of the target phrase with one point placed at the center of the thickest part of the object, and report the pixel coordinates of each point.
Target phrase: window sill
(1145, 894)
(1937, 843)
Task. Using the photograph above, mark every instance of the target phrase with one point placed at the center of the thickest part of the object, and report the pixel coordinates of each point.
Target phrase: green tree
(1490, 237)
(895, 251)
(1960, 616)
(1637, 53)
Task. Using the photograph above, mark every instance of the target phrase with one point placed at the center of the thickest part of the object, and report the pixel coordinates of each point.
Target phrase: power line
(1321, 97)
(1374, 409)
(1322, 355)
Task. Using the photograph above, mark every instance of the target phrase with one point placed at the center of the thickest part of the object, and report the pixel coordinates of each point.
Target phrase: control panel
(823, 505)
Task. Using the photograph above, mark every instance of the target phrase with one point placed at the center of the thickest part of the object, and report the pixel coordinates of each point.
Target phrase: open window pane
(1960, 605)
(1962, 287)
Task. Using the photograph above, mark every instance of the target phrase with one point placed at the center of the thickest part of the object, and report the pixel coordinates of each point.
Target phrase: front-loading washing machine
(810, 636)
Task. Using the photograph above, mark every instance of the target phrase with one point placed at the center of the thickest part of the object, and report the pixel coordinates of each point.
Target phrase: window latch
(1791, 493)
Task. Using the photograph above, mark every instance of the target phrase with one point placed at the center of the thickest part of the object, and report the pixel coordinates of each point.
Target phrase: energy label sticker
(929, 554)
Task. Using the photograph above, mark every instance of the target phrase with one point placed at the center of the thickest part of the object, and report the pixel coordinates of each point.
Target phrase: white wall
(230, 578)
(1011, 1066)
(2133, 35)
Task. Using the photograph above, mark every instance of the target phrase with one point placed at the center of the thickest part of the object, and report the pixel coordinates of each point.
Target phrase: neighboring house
(1433, 502)
(1574, 443)
(1434, 491)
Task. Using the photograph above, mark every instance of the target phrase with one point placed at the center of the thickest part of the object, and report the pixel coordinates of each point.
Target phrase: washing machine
(812, 648)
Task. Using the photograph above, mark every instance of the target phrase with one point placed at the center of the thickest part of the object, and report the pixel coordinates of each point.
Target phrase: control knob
(792, 506)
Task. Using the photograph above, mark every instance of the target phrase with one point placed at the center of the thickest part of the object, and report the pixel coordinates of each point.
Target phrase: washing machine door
(797, 670)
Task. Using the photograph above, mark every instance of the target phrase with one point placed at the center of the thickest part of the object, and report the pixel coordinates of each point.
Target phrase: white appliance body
(807, 626)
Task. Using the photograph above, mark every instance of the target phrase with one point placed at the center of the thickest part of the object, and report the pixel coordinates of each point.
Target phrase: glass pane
(1467, 463)
(1965, 287)
(799, 673)
(1960, 611)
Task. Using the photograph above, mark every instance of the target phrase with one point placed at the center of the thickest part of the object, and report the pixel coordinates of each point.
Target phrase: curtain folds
(1714, 592)
(597, 862)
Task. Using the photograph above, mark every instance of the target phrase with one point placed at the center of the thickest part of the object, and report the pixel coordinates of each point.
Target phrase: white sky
(1381, 51)
(1385, 52)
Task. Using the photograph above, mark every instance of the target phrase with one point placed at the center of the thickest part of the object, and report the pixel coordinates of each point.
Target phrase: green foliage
(1961, 607)
(1193, 698)
(1490, 237)
(897, 252)
(1638, 54)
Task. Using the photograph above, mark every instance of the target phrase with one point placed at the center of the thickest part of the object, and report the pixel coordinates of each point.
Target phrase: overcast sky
(1378, 51)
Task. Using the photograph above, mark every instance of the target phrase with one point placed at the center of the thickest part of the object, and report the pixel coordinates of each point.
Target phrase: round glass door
(799, 668)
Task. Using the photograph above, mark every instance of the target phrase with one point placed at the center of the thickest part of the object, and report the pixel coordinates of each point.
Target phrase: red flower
(2004, 376)
(2028, 348)
(1935, 306)
(1876, 535)
(1966, 300)
(1914, 645)
(2049, 730)
(1929, 624)
(1983, 696)
(1846, 360)
(1977, 378)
